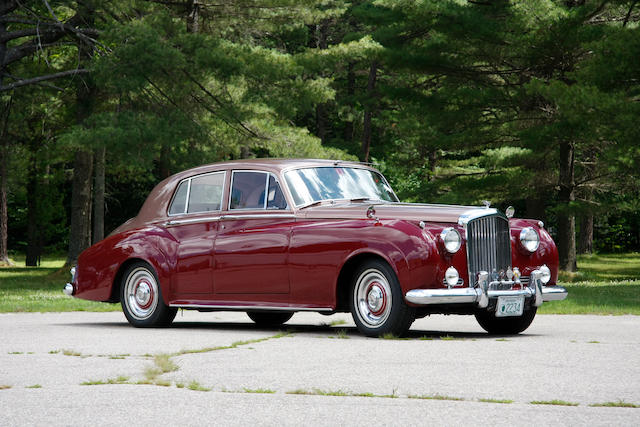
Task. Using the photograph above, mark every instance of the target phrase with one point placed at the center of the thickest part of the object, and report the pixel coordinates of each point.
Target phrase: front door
(252, 242)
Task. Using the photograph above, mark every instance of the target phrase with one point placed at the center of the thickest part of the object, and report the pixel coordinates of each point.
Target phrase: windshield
(312, 185)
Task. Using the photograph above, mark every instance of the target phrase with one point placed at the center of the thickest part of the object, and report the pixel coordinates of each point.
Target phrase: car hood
(403, 211)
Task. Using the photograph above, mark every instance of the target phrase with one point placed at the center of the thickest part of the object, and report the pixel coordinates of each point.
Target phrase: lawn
(39, 289)
(604, 284)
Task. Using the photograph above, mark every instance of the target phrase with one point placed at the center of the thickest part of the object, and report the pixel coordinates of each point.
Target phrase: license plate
(510, 306)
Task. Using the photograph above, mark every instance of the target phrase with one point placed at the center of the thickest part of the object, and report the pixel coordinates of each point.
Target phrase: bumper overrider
(69, 289)
(482, 292)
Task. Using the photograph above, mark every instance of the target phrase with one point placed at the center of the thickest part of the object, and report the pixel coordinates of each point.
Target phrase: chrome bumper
(482, 292)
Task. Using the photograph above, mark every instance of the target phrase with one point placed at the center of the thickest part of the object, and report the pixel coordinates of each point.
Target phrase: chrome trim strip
(192, 220)
(258, 216)
(251, 307)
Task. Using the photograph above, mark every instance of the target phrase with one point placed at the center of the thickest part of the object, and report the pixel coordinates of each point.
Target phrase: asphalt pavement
(219, 368)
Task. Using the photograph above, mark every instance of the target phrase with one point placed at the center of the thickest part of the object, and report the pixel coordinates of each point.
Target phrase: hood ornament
(486, 203)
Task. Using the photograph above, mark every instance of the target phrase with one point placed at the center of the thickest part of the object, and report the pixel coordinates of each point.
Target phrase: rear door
(195, 215)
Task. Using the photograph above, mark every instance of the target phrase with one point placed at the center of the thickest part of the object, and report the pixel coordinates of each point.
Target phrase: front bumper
(482, 292)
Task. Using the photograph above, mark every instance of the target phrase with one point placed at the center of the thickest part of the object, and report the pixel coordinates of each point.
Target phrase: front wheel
(141, 298)
(505, 325)
(376, 302)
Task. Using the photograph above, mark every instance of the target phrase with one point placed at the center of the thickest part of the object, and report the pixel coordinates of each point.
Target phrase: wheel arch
(343, 283)
(117, 280)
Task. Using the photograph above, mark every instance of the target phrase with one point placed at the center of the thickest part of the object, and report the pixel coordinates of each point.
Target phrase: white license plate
(510, 306)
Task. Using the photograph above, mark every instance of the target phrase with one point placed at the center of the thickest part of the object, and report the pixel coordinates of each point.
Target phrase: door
(252, 242)
(195, 214)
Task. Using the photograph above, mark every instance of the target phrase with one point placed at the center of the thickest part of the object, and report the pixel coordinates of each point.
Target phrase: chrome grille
(488, 245)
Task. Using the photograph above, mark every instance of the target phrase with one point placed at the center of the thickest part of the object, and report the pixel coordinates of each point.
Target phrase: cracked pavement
(45, 359)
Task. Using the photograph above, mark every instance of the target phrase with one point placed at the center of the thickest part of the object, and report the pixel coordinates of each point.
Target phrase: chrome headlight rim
(451, 240)
(530, 239)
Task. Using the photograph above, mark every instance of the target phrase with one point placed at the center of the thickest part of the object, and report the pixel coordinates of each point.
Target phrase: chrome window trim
(258, 216)
(192, 220)
(335, 165)
(186, 204)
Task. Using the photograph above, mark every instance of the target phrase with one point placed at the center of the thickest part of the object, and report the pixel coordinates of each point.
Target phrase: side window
(275, 197)
(247, 190)
(180, 199)
(256, 190)
(199, 194)
(206, 193)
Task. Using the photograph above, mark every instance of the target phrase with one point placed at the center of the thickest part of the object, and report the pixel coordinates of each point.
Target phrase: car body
(273, 237)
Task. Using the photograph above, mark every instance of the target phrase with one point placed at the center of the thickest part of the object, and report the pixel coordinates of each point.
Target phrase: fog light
(451, 276)
(545, 274)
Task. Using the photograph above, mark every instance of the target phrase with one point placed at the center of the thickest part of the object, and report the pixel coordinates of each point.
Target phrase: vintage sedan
(273, 237)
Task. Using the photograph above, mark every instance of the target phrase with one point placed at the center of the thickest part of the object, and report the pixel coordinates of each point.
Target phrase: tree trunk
(80, 232)
(98, 195)
(4, 219)
(80, 235)
(566, 218)
(4, 160)
(366, 130)
(33, 229)
(193, 16)
(586, 234)
(535, 209)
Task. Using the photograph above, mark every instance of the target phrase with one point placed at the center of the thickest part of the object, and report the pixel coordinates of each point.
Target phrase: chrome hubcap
(372, 298)
(141, 293)
(375, 298)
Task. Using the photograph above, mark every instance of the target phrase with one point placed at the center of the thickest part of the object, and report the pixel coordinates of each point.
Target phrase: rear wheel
(505, 325)
(141, 298)
(266, 318)
(376, 301)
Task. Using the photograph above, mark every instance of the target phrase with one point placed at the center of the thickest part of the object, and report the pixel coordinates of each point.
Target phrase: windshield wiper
(360, 199)
(316, 203)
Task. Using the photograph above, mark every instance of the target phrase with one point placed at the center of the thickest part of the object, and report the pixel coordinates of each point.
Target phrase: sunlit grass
(604, 284)
(39, 289)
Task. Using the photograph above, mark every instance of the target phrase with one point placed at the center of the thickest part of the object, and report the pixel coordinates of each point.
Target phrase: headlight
(530, 239)
(451, 239)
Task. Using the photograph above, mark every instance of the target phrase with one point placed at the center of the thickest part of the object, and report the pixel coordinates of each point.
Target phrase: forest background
(534, 104)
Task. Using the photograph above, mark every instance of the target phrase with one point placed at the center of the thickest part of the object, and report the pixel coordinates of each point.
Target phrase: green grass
(39, 289)
(434, 397)
(485, 400)
(554, 402)
(605, 284)
(618, 404)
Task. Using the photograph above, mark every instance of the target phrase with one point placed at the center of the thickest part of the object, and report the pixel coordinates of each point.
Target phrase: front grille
(488, 245)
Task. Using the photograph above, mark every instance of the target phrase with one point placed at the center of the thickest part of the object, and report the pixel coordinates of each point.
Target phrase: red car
(273, 237)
